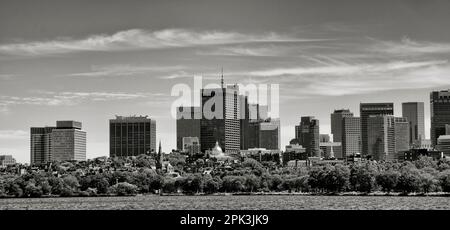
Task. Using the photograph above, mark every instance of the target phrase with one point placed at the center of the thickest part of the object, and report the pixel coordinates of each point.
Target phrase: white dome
(217, 150)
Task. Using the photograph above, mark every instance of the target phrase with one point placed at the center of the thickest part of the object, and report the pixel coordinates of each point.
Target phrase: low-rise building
(6, 160)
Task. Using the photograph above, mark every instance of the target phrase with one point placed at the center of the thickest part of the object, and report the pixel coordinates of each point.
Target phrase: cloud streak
(140, 39)
(13, 134)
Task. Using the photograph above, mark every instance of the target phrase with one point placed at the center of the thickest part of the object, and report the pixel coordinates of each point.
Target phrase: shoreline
(347, 194)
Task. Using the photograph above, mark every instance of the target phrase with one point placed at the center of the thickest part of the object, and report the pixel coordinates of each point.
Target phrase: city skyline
(103, 59)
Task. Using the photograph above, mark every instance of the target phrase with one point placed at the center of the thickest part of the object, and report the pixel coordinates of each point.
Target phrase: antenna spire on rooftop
(221, 80)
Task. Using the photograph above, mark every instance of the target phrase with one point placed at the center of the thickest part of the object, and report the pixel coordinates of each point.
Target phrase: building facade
(188, 123)
(40, 145)
(68, 142)
(131, 136)
(6, 160)
(307, 133)
(351, 136)
(65, 142)
(440, 113)
(366, 110)
(402, 132)
(414, 112)
(381, 137)
(336, 123)
(221, 119)
(443, 145)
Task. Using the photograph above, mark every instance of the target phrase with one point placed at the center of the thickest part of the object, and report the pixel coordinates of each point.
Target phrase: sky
(92, 60)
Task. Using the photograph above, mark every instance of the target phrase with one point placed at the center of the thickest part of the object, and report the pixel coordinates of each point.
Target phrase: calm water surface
(279, 202)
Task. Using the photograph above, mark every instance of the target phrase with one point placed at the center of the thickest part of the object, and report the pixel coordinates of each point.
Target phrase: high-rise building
(40, 145)
(64, 142)
(68, 141)
(221, 119)
(381, 137)
(336, 123)
(132, 136)
(440, 113)
(402, 132)
(244, 121)
(366, 110)
(351, 136)
(447, 129)
(188, 123)
(414, 112)
(269, 134)
(307, 133)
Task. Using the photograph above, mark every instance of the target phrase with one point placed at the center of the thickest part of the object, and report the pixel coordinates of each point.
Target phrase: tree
(252, 182)
(362, 178)
(126, 189)
(337, 178)
(409, 180)
(212, 185)
(31, 190)
(388, 180)
(444, 180)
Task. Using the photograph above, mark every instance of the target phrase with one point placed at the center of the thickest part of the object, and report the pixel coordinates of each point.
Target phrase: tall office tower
(253, 134)
(64, 142)
(131, 136)
(221, 119)
(269, 134)
(336, 123)
(381, 137)
(447, 129)
(307, 133)
(40, 145)
(402, 132)
(414, 112)
(188, 123)
(244, 121)
(440, 113)
(351, 136)
(68, 141)
(366, 110)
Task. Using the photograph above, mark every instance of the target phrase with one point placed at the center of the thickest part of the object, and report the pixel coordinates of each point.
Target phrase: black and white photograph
(228, 107)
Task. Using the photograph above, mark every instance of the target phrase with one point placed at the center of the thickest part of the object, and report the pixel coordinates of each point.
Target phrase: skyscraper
(414, 112)
(188, 124)
(307, 133)
(68, 141)
(40, 145)
(351, 136)
(64, 142)
(381, 137)
(221, 119)
(440, 113)
(132, 136)
(244, 121)
(336, 123)
(269, 134)
(366, 110)
(402, 128)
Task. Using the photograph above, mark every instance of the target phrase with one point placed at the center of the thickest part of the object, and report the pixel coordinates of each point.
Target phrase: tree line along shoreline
(423, 177)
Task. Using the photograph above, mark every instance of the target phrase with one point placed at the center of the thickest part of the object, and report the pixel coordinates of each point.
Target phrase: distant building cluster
(246, 130)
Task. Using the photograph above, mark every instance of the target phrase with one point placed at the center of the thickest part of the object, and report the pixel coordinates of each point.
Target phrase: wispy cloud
(407, 46)
(6, 76)
(346, 69)
(67, 98)
(13, 135)
(124, 70)
(139, 39)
